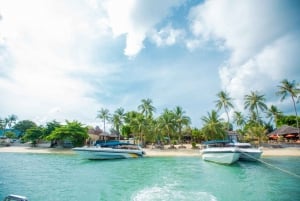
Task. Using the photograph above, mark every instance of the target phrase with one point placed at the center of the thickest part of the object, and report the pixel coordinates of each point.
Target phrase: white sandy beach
(150, 152)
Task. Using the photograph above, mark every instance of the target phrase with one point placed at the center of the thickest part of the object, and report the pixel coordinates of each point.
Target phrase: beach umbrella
(290, 136)
(273, 137)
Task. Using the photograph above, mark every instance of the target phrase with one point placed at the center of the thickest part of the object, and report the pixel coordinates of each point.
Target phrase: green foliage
(2, 124)
(118, 119)
(51, 126)
(146, 108)
(33, 134)
(258, 132)
(194, 145)
(126, 131)
(213, 128)
(10, 134)
(11, 120)
(22, 126)
(290, 88)
(166, 123)
(72, 131)
(104, 115)
(197, 134)
(239, 119)
(254, 101)
(287, 120)
(224, 102)
(273, 113)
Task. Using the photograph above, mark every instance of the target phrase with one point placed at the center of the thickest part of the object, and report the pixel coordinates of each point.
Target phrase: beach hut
(288, 132)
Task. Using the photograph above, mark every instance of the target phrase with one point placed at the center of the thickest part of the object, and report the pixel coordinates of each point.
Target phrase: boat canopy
(111, 143)
(217, 142)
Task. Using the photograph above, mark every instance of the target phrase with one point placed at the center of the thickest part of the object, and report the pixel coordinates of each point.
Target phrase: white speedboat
(114, 151)
(218, 152)
(248, 153)
(15, 198)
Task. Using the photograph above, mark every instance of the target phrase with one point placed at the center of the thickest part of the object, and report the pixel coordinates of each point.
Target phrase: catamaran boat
(217, 151)
(110, 150)
(248, 152)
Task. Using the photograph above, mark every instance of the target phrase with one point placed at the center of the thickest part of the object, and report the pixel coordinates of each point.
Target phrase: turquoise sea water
(50, 177)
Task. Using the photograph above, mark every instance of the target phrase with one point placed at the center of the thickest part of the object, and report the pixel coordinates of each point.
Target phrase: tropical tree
(10, 134)
(73, 131)
(2, 123)
(104, 115)
(213, 126)
(118, 119)
(273, 113)
(146, 108)
(166, 123)
(197, 135)
(257, 131)
(34, 134)
(290, 88)
(255, 101)
(287, 120)
(49, 128)
(238, 119)
(224, 101)
(138, 125)
(23, 125)
(180, 120)
(11, 120)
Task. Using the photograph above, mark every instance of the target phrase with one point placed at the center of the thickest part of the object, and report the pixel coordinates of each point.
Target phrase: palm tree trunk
(296, 117)
(227, 119)
(257, 117)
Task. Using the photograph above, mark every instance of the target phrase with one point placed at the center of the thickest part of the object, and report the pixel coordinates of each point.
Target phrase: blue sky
(65, 59)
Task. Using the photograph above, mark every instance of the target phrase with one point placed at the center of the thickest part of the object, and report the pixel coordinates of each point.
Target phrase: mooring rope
(273, 166)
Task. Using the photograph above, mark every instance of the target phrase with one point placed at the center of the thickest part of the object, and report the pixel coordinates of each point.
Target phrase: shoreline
(150, 152)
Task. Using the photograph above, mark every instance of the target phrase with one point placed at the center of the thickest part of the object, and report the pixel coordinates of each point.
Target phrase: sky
(65, 60)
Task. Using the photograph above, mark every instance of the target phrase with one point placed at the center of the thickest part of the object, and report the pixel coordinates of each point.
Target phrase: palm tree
(213, 127)
(10, 120)
(138, 124)
(2, 123)
(166, 122)
(146, 108)
(239, 119)
(255, 101)
(224, 102)
(273, 113)
(290, 88)
(104, 115)
(118, 119)
(180, 120)
(257, 131)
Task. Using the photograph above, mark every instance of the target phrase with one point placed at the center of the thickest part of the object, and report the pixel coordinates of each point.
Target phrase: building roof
(284, 130)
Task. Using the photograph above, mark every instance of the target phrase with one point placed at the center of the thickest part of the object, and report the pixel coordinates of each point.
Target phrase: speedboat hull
(250, 154)
(94, 153)
(224, 155)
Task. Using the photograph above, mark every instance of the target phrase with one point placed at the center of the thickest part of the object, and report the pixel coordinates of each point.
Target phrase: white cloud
(43, 46)
(264, 70)
(240, 25)
(136, 19)
(261, 37)
(167, 36)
